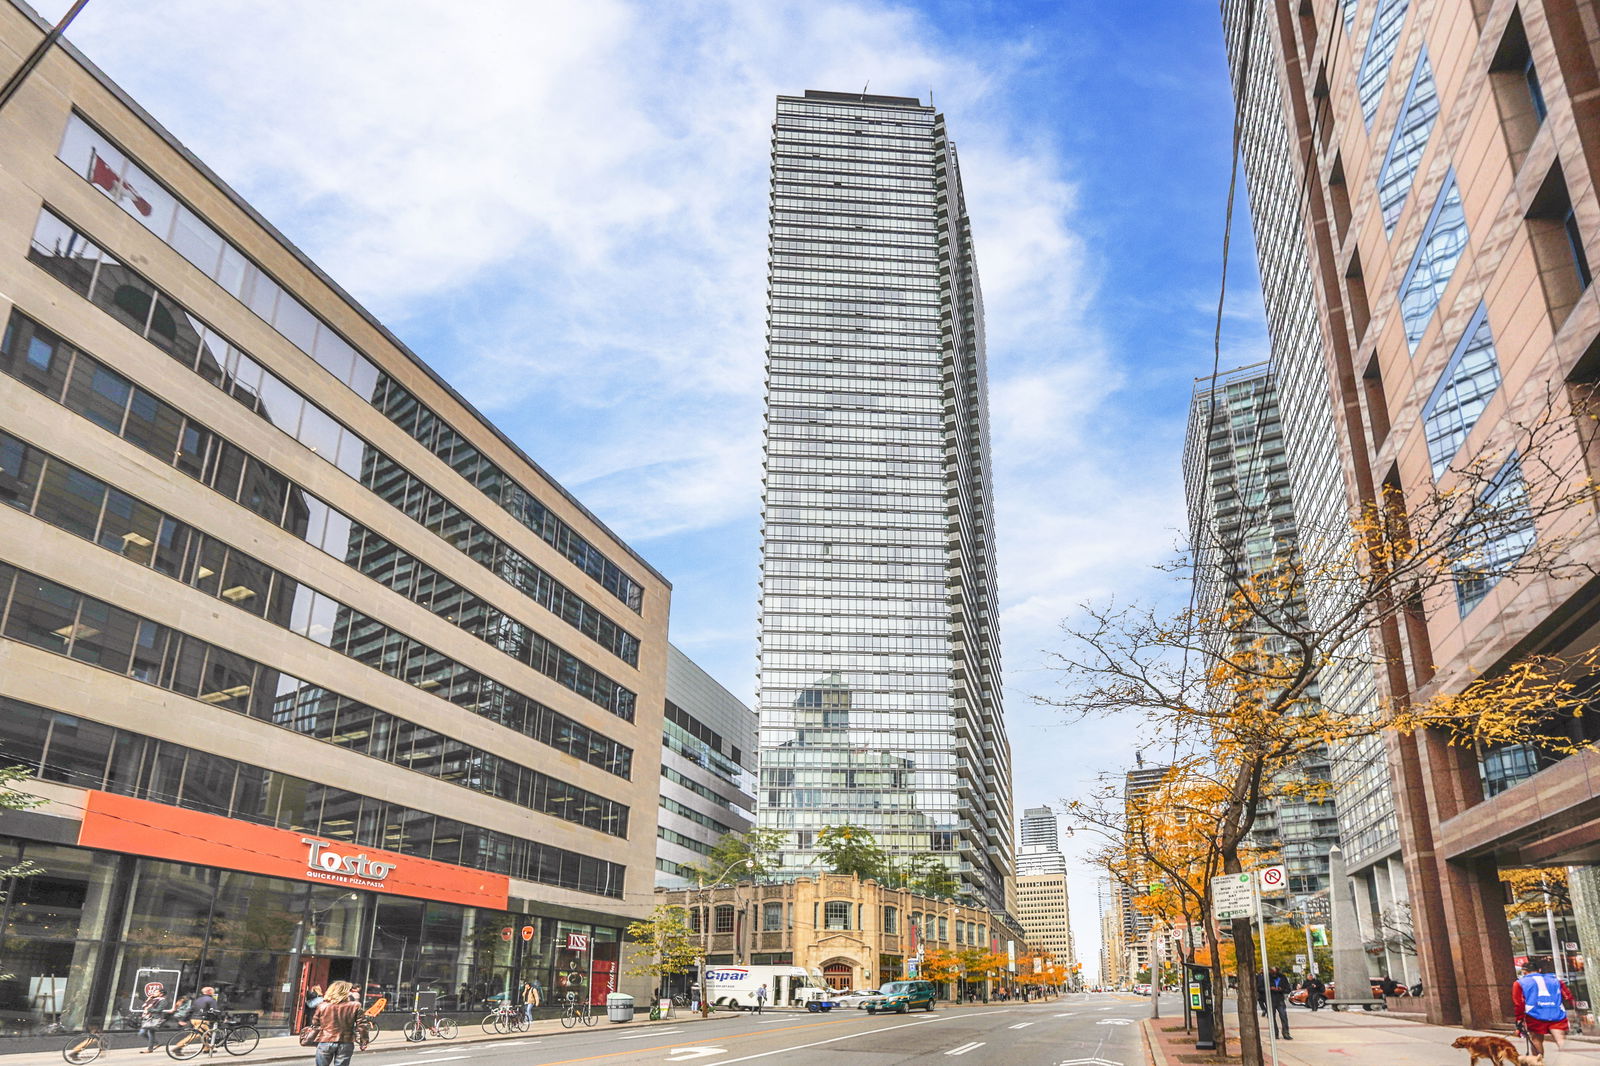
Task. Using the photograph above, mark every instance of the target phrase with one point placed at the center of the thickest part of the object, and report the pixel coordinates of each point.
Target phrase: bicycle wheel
(241, 1040)
(569, 1017)
(83, 1049)
(187, 1046)
(492, 1023)
(415, 1031)
(447, 1028)
(519, 1022)
(590, 1015)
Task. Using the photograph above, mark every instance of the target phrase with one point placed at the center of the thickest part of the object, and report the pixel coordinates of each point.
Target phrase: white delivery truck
(787, 986)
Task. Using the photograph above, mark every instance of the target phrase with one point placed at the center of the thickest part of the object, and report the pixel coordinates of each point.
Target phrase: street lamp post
(705, 922)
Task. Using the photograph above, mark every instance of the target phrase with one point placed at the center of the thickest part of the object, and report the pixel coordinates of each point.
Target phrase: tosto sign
(325, 863)
(140, 827)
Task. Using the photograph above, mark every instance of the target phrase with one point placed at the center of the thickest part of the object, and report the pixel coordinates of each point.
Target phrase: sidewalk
(285, 1048)
(1325, 1038)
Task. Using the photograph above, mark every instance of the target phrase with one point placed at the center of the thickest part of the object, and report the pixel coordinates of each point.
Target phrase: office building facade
(1449, 215)
(1323, 485)
(879, 662)
(1045, 915)
(708, 754)
(1241, 524)
(318, 675)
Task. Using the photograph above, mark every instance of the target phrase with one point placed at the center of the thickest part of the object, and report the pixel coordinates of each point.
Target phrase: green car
(901, 996)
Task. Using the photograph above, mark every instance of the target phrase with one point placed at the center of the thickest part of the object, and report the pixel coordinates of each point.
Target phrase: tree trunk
(1219, 986)
(1244, 951)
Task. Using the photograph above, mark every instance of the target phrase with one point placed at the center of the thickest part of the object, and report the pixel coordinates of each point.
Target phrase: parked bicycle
(86, 1047)
(234, 1037)
(504, 1019)
(429, 1022)
(573, 1013)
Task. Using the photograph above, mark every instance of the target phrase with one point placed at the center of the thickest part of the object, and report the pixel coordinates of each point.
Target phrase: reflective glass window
(1464, 389)
(1417, 115)
(1384, 37)
(1443, 241)
(1500, 533)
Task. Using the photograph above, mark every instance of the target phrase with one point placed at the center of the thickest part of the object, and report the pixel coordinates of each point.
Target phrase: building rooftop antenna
(864, 89)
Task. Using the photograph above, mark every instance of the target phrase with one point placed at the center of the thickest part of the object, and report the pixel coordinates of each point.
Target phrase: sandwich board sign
(1233, 896)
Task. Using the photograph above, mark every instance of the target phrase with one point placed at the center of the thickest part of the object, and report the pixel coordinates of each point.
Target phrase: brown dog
(1493, 1049)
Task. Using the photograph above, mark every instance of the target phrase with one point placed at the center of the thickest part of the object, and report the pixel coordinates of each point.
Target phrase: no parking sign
(1273, 880)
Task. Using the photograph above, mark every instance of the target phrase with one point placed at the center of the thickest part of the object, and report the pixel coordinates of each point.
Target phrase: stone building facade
(851, 933)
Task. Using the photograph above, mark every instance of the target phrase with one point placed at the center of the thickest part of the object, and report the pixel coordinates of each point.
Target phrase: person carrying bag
(333, 1027)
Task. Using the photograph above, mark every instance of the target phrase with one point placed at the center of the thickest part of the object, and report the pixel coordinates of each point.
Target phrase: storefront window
(53, 923)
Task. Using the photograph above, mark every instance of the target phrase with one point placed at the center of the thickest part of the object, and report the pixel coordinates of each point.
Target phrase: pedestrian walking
(1278, 986)
(761, 998)
(530, 1000)
(335, 1025)
(150, 1020)
(1541, 1000)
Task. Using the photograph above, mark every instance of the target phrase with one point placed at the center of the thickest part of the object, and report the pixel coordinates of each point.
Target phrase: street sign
(1233, 896)
(1299, 962)
(1273, 879)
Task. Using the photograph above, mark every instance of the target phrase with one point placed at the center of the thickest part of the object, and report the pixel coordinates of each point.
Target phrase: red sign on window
(577, 942)
(527, 932)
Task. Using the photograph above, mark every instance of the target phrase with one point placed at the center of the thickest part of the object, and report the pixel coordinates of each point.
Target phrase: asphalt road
(1085, 1029)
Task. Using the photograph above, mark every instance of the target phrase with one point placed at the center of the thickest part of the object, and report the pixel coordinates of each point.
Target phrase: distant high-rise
(879, 674)
(1040, 843)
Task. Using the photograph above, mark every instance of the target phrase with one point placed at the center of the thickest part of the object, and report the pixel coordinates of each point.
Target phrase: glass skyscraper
(879, 688)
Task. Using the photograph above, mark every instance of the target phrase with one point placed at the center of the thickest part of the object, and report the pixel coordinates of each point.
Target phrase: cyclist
(335, 1024)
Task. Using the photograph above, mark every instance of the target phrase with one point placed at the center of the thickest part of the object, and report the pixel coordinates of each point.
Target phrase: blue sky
(562, 206)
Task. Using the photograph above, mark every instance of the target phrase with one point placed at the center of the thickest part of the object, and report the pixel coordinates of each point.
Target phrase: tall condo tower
(880, 660)
(1040, 852)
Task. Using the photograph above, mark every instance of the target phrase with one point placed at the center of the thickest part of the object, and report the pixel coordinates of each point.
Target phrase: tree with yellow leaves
(1232, 684)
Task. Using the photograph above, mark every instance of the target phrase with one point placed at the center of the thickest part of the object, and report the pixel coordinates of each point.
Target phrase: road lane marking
(647, 1036)
(1069, 1014)
(1019, 1025)
(418, 1062)
(1114, 1021)
(684, 1054)
(964, 1048)
(836, 1039)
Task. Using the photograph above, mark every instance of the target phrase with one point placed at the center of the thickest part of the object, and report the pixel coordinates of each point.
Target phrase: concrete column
(1349, 954)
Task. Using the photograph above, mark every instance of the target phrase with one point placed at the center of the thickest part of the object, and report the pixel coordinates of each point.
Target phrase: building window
(944, 929)
(1381, 44)
(771, 917)
(1484, 551)
(724, 918)
(1443, 241)
(1410, 140)
(1518, 94)
(1558, 245)
(837, 914)
(891, 921)
(961, 931)
(1464, 388)
(697, 919)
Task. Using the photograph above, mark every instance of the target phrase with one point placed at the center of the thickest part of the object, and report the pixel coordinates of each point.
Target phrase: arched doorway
(840, 974)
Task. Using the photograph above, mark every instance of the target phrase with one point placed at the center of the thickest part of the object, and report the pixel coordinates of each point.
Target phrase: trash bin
(619, 1007)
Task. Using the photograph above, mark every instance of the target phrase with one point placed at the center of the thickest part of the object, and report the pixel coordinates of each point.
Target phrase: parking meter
(1198, 980)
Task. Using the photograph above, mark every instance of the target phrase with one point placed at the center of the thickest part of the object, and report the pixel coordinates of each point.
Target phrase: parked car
(859, 998)
(901, 996)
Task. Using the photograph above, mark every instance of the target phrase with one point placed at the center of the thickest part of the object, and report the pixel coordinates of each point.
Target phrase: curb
(1152, 1043)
